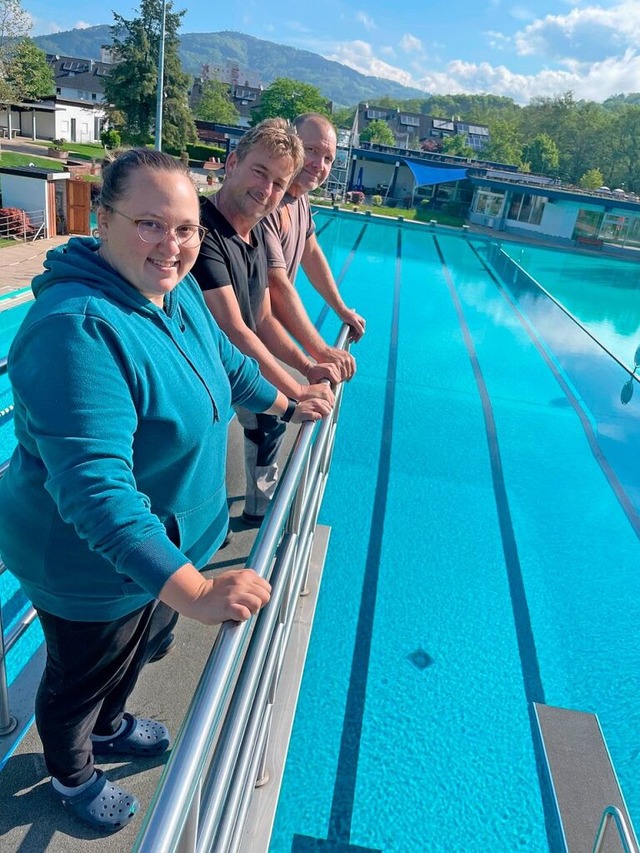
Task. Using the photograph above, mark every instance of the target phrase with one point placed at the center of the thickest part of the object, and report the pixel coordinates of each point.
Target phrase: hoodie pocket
(197, 531)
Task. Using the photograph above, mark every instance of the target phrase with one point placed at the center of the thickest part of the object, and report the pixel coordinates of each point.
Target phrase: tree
(542, 155)
(343, 116)
(591, 180)
(15, 25)
(458, 146)
(289, 98)
(378, 131)
(131, 89)
(215, 104)
(28, 72)
(505, 145)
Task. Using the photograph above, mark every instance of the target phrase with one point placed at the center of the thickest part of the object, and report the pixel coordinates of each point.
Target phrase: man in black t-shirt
(232, 272)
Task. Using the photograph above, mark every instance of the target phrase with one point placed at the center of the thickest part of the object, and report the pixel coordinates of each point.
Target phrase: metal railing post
(7, 722)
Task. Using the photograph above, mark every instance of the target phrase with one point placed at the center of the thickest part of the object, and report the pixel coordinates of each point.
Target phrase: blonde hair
(278, 137)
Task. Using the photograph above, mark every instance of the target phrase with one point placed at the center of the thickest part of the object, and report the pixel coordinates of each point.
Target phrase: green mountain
(265, 59)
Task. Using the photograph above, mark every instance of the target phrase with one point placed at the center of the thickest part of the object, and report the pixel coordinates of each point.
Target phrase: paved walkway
(19, 264)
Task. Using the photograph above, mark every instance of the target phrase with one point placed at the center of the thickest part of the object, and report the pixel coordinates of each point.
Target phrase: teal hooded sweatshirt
(121, 415)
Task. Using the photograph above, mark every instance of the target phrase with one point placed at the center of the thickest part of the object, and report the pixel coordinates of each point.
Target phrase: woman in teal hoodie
(115, 495)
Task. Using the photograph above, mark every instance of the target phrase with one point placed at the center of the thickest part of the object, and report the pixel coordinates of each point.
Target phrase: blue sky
(519, 49)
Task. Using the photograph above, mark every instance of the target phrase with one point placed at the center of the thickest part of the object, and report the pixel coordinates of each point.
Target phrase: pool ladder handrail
(613, 813)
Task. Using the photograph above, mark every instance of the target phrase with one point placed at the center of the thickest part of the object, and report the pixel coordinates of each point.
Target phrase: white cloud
(522, 13)
(81, 25)
(367, 22)
(410, 43)
(587, 34)
(598, 82)
(497, 41)
(359, 55)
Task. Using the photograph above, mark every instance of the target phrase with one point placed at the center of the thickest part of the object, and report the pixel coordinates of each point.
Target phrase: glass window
(488, 203)
(587, 224)
(526, 208)
(614, 228)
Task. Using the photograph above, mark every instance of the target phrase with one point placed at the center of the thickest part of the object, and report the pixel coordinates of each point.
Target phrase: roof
(34, 172)
(558, 193)
(72, 72)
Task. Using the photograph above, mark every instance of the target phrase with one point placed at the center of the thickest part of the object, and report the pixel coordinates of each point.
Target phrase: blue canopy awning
(427, 175)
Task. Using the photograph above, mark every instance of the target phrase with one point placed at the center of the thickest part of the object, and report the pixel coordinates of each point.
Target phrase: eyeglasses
(154, 231)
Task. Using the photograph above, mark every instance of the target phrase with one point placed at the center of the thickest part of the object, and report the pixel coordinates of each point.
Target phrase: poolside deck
(31, 821)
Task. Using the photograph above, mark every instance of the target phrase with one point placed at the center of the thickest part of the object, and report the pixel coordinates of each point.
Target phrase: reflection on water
(602, 293)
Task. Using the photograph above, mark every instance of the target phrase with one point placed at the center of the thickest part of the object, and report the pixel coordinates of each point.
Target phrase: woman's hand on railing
(236, 594)
(313, 409)
(316, 392)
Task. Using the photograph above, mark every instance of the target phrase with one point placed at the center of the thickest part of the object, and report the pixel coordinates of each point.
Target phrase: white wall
(85, 122)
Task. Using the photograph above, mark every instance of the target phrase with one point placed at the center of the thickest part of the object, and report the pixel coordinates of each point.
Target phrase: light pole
(160, 92)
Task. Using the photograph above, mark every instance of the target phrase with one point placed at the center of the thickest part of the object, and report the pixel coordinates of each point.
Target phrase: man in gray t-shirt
(291, 242)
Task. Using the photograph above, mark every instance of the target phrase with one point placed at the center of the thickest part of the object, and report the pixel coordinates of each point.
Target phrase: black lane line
(349, 259)
(342, 804)
(325, 226)
(612, 478)
(531, 678)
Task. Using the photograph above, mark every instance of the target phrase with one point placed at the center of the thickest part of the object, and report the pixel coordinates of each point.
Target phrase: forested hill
(268, 60)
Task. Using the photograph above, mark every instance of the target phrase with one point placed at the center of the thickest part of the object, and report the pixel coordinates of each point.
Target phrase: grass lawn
(440, 217)
(12, 158)
(81, 150)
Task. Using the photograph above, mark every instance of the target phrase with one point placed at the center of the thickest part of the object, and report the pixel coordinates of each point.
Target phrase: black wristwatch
(288, 413)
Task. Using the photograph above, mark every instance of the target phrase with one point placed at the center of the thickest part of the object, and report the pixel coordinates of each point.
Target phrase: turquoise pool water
(491, 471)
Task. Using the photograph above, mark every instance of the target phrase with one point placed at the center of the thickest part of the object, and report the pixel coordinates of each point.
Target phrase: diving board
(582, 777)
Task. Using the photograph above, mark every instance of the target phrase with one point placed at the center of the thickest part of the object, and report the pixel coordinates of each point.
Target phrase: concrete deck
(31, 821)
(19, 264)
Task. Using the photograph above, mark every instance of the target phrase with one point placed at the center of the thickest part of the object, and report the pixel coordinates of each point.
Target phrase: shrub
(452, 208)
(423, 213)
(200, 152)
(15, 222)
(111, 138)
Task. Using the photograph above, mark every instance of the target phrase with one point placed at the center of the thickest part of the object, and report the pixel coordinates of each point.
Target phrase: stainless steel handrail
(625, 833)
(208, 778)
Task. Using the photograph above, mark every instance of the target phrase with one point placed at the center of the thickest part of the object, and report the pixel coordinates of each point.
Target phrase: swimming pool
(484, 503)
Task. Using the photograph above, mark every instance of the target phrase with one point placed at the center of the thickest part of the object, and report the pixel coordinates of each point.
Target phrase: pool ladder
(625, 833)
(583, 782)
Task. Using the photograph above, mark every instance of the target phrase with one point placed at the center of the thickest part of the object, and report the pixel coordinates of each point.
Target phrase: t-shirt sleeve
(273, 240)
(212, 268)
(311, 225)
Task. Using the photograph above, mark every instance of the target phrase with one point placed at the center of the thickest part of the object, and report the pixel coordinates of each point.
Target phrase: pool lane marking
(585, 417)
(341, 276)
(532, 680)
(325, 226)
(342, 804)
(534, 690)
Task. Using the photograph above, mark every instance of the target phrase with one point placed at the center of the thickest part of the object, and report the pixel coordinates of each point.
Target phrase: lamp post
(160, 91)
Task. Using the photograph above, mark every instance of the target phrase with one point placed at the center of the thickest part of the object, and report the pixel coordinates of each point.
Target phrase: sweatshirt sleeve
(75, 394)
(249, 388)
